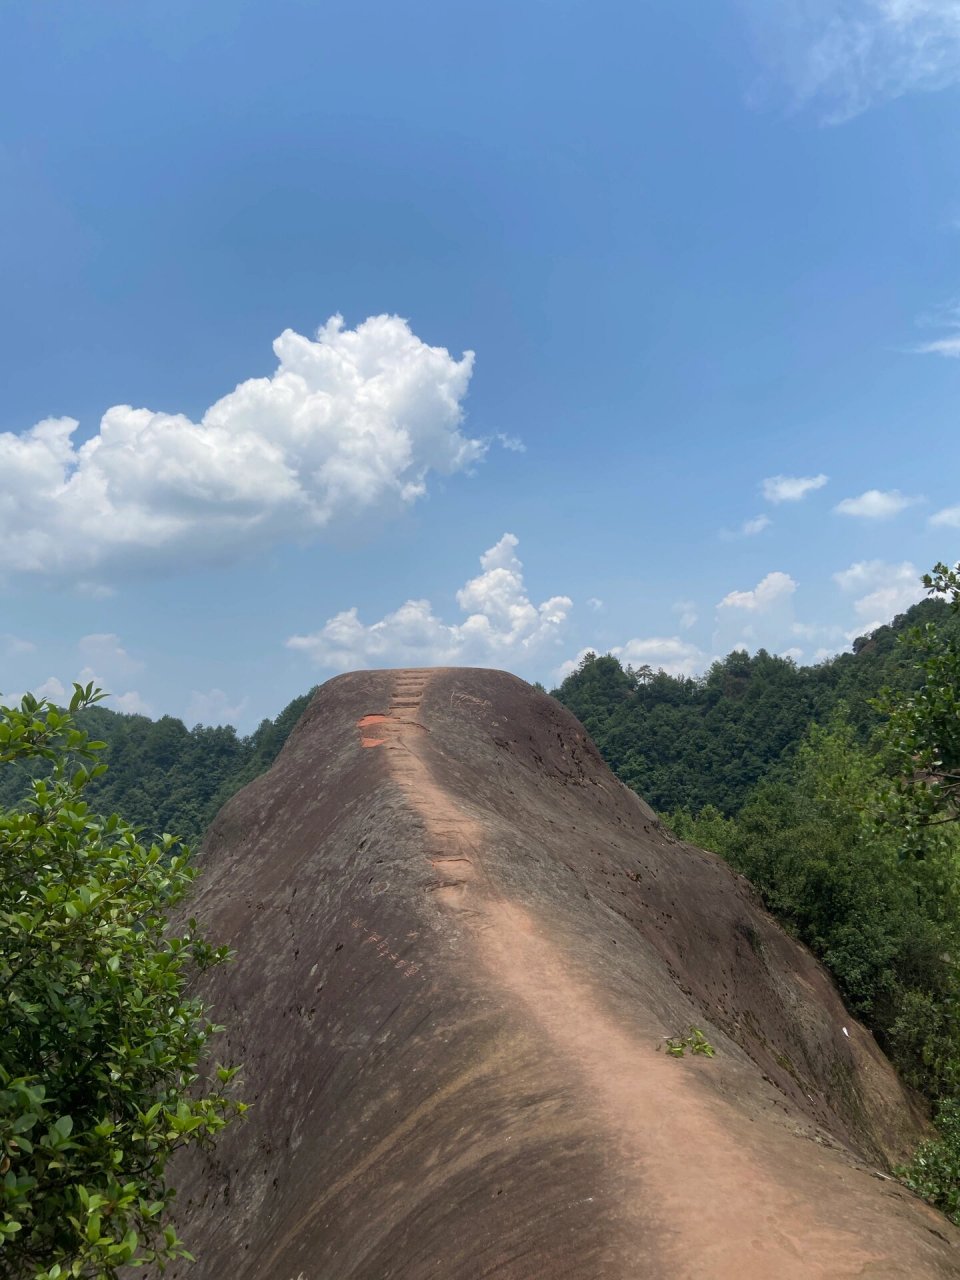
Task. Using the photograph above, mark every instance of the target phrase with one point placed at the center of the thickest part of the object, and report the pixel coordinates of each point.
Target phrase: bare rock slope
(461, 942)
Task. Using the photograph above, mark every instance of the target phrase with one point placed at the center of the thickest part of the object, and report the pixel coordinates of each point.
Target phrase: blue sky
(705, 258)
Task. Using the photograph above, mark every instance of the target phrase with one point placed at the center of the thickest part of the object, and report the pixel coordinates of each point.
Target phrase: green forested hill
(688, 743)
(163, 776)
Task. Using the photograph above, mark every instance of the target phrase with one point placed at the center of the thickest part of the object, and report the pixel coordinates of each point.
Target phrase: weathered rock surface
(460, 943)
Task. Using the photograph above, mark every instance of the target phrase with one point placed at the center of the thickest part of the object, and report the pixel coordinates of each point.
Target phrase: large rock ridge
(460, 944)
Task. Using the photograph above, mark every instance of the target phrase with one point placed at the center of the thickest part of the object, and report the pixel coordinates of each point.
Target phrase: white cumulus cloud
(214, 707)
(875, 504)
(663, 653)
(351, 421)
(104, 650)
(131, 703)
(761, 617)
(887, 589)
(51, 688)
(109, 666)
(790, 488)
(672, 654)
(769, 592)
(501, 625)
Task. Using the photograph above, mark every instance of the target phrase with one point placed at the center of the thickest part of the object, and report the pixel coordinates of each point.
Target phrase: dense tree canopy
(689, 743)
(163, 776)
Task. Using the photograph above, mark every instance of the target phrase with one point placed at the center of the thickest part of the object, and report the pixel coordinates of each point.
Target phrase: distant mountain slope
(687, 743)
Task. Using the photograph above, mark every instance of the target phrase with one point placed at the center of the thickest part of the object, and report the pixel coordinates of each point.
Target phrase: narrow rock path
(726, 1199)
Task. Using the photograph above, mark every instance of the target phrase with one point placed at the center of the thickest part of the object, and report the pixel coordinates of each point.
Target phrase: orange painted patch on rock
(364, 722)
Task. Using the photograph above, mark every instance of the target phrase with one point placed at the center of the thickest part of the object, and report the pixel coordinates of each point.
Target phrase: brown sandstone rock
(460, 945)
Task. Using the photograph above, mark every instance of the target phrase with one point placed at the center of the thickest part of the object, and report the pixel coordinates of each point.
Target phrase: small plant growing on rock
(934, 1171)
(695, 1041)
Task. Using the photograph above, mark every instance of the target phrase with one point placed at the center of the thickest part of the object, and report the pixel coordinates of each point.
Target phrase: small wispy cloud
(946, 316)
(949, 347)
(768, 592)
(817, 631)
(214, 708)
(513, 443)
(104, 650)
(888, 589)
(94, 590)
(750, 528)
(791, 488)
(686, 612)
(948, 518)
(876, 504)
(844, 56)
(13, 646)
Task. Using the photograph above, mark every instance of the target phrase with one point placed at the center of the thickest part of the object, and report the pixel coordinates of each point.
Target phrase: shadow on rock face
(461, 943)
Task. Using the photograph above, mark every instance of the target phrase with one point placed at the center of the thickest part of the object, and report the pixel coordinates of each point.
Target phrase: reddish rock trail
(720, 1208)
(456, 839)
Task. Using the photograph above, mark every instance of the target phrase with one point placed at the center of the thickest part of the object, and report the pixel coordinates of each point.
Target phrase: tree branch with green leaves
(103, 1045)
(921, 732)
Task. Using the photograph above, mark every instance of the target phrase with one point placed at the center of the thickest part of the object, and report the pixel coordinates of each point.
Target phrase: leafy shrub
(934, 1171)
(99, 1039)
